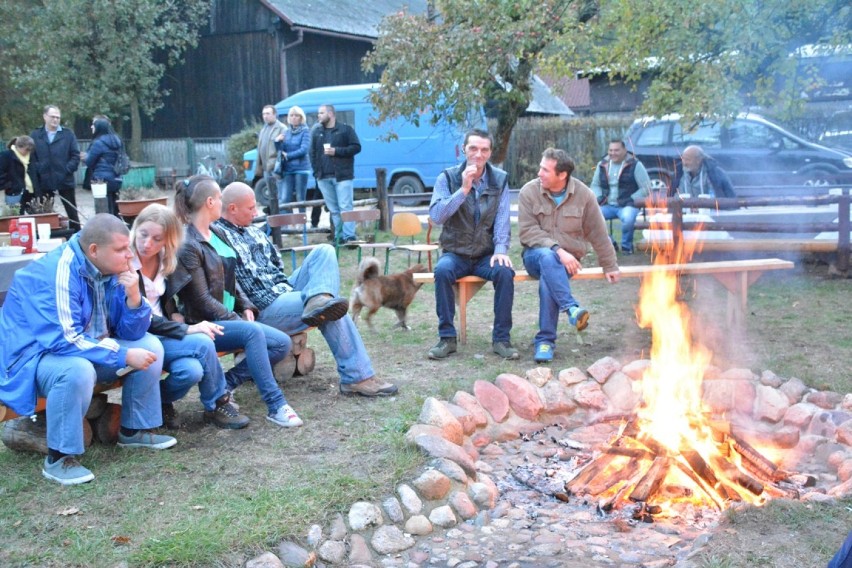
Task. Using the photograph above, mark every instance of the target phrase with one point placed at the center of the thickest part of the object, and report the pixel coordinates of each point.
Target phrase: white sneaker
(285, 417)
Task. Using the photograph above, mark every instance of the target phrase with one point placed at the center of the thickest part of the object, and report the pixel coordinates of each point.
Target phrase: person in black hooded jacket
(17, 174)
(101, 158)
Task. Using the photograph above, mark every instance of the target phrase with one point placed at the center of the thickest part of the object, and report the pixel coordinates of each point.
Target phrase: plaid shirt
(259, 269)
(99, 323)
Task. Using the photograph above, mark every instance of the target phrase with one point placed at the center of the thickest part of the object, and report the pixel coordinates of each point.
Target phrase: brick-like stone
(636, 369)
(589, 395)
(492, 399)
(623, 393)
(539, 376)
(825, 399)
(359, 552)
(724, 395)
(462, 505)
(432, 485)
(738, 374)
(440, 448)
(451, 469)
(571, 376)
(844, 433)
(523, 397)
(556, 399)
(770, 379)
(800, 414)
(435, 413)
(465, 418)
(422, 430)
(795, 390)
(601, 369)
(770, 403)
(468, 402)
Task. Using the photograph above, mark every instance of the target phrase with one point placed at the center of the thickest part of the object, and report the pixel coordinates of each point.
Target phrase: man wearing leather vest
(471, 201)
(619, 179)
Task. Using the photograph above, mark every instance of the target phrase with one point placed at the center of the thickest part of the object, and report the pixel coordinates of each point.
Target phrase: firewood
(709, 491)
(736, 476)
(651, 481)
(299, 341)
(755, 459)
(106, 426)
(97, 406)
(305, 361)
(603, 483)
(699, 466)
(25, 435)
(285, 368)
(635, 453)
(627, 484)
(576, 486)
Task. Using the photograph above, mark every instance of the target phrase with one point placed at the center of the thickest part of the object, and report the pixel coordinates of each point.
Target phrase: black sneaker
(443, 348)
(171, 418)
(505, 350)
(323, 308)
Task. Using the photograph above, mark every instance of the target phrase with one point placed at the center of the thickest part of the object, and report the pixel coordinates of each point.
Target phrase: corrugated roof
(348, 17)
(546, 102)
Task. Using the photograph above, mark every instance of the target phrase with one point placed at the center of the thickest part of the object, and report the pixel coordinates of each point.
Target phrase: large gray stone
(409, 499)
(266, 560)
(443, 516)
(440, 448)
(436, 414)
(333, 551)
(363, 515)
(389, 539)
(418, 525)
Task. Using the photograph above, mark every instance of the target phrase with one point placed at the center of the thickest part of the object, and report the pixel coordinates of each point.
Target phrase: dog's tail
(369, 268)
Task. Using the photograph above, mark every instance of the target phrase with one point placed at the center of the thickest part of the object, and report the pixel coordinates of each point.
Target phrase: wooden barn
(257, 52)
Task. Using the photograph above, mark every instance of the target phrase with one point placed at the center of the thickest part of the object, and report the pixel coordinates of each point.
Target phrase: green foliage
(98, 56)
(470, 54)
(713, 57)
(242, 142)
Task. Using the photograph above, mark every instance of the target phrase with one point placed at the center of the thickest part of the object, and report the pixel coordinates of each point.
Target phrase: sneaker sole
(368, 395)
(583, 321)
(75, 481)
(160, 446)
(327, 313)
(512, 357)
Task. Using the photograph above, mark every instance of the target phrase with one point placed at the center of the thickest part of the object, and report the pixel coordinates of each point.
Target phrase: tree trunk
(134, 150)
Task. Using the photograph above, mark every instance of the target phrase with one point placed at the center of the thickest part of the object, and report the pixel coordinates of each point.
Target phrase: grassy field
(220, 497)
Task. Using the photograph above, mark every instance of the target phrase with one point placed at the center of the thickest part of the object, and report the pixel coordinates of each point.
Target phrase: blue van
(413, 160)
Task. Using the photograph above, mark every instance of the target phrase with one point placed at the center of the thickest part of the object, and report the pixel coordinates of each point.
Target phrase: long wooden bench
(735, 275)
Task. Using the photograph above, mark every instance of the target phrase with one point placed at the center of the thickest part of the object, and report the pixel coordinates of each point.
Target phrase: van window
(746, 134)
(706, 135)
(653, 135)
(344, 116)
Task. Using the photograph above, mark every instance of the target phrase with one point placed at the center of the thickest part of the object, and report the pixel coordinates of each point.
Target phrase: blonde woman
(294, 158)
(205, 282)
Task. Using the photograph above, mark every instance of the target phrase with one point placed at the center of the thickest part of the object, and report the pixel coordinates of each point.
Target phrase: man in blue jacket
(699, 174)
(56, 158)
(73, 318)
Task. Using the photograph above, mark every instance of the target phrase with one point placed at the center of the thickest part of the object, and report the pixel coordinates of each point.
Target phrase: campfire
(672, 452)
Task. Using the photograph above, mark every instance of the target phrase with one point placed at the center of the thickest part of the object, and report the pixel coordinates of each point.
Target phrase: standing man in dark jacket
(333, 149)
(57, 157)
(471, 201)
(699, 174)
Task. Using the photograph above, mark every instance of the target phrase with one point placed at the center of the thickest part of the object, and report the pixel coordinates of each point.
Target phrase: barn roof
(355, 18)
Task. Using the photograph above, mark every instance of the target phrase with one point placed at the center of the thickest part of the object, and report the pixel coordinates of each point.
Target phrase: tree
(711, 57)
(100, 56)
(468, 53)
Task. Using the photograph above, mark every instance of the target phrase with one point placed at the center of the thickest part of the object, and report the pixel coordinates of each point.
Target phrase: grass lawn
(220, 497)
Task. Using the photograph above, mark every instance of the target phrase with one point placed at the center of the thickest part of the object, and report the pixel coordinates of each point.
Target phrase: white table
(9, 264)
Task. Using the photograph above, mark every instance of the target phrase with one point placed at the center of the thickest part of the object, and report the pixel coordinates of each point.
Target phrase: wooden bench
(735, 275)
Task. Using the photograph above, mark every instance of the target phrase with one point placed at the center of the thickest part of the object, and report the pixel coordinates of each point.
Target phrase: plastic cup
(43, 231)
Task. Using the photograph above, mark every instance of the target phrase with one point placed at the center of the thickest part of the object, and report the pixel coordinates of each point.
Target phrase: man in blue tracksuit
(73, 318)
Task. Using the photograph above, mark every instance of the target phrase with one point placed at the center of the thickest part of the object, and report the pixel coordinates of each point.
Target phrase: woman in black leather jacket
(205, 282)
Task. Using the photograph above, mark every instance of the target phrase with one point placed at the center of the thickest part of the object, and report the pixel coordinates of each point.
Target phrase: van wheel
(818, 178)
(406, 185)
(261, 193)
(660, 182)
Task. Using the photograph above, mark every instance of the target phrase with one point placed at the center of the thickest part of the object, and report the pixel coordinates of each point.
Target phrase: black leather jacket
(202, 277)
(162, 325)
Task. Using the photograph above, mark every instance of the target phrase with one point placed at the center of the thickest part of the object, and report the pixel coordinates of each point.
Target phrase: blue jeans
(264, 346)
(294, 187)
(189, 361)
(627, 215)
(450, 268)
(338, 197)
(68, 382)
(320, 274)
(554, 290)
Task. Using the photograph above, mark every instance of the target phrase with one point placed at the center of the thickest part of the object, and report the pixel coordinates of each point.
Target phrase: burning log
(577, 485)
(738, 477)
(650, 483)
(711, 494)
(755, 462)
(603, 483)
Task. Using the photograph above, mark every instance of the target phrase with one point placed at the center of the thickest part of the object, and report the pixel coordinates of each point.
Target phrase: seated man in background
(309, 297)
(699, 174)
(558, 218)
(73, 318)
(619, 179)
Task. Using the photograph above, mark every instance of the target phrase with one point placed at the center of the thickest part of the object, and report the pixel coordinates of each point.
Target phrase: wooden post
(382, 195)
(273, 209)
(843, 248)
(676, 209)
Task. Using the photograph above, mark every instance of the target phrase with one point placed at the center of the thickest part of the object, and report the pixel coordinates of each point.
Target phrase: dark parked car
(759, 156)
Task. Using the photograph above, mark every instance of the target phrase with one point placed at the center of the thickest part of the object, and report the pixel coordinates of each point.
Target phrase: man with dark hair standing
(333, 149)
(619, 179)
(471, 201)
(74, 318)
(558, 217)
(57, 156)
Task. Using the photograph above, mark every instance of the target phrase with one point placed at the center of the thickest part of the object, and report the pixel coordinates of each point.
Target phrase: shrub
(242, 142)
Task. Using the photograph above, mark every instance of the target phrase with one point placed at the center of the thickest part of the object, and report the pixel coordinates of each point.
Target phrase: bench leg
(465, 291)
(737, 284)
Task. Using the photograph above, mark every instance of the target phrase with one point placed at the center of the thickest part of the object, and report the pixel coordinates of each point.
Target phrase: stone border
(453, 488)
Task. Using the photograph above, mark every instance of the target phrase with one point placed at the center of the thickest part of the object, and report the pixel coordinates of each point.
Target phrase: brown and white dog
(375, 291)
